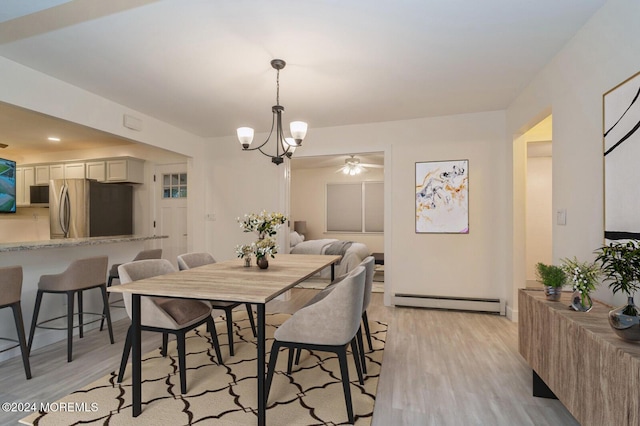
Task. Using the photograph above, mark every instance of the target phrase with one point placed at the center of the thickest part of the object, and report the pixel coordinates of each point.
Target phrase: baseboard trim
(475, 304)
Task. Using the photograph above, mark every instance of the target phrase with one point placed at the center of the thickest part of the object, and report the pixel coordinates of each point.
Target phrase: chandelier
(284, 146)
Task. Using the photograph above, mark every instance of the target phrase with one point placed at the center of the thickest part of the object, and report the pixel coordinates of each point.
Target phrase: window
(174, 185)
(355, 207)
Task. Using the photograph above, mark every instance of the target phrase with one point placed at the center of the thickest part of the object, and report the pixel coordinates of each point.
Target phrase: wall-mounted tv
(7, 186)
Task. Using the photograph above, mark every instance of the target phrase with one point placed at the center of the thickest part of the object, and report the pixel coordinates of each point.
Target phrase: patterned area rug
(225, 394)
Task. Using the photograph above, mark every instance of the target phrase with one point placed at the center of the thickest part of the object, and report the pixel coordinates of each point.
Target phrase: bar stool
(10, 291)
(113, 273)
(81, 275)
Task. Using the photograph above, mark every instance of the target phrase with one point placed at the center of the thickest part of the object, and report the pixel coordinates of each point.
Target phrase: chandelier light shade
(285, 146)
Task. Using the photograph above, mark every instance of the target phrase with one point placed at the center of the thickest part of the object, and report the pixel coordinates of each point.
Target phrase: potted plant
(584, 279)
(553, 278)
(620, 263)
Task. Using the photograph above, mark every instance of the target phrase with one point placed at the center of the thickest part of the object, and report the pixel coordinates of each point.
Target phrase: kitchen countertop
(75, 242)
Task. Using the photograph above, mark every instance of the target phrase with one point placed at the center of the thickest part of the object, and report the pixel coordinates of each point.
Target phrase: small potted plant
(553, 278)
(620, 263)
(584, 278)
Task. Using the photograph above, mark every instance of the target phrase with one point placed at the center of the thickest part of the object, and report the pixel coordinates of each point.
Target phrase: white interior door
(171, 188)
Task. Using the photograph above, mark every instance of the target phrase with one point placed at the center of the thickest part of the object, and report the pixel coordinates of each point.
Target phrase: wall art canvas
(442, 197)
(621, 108)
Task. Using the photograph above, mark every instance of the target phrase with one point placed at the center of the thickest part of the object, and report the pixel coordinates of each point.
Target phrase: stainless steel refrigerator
(87, 208)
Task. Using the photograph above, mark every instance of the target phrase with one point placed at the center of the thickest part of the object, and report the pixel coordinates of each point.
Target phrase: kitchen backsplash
(27, 224)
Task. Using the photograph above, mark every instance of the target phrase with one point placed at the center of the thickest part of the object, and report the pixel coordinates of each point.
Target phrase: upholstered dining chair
(164, 315)
(113, 272)
(369, 264)
(81, 275)
(193, 260)
(339, 314)
(10, 292)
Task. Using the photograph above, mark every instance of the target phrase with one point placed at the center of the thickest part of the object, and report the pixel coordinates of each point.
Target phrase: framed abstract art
(621, 109)
(442, 197)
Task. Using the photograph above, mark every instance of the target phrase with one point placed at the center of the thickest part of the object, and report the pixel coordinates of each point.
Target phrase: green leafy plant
(620, 264)
(550, 275)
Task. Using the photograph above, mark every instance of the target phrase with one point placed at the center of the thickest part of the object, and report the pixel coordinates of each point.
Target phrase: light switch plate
(561, 217)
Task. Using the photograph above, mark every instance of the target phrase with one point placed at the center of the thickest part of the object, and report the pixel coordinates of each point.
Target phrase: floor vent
(493, 306)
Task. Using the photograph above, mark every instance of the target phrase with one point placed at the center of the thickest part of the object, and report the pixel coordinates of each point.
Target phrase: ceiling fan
(353, 166)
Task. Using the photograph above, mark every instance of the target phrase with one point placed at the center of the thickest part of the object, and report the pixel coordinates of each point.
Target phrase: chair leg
(366, 329)
(273, 357)
(344, 370)
(182, 362)
(125, 355)
(251, 320)
(298, 352)
(214, 339)
(34, 321)
(107, 312)
(17, 316)
(290, 359)
(80, 319)
(165, 343)
(108, 296)
(356, 359)
(363, 360)
(69, 326)
(227, 313)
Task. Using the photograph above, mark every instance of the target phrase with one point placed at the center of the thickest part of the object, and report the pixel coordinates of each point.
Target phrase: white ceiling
(204, 65)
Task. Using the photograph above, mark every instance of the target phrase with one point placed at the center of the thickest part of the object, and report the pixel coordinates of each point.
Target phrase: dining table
(227, 281)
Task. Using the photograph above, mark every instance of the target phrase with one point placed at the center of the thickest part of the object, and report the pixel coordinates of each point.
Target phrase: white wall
(308, 203)
(436, 264)
(605, 52)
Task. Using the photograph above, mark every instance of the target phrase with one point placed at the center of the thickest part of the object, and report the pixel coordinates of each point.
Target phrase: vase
(552, 293)
(581, 302)
(262, 262)
(247, 261)
(625, 321)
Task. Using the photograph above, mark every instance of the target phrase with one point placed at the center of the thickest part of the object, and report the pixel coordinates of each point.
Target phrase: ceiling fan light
(298, 131)
(245, 136)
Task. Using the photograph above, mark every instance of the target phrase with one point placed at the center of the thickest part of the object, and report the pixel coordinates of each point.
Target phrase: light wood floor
(440, 368)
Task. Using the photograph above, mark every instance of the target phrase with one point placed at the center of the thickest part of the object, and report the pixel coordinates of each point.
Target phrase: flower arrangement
(265, 247)
(265, 224)
(584, 278)
(244, 250)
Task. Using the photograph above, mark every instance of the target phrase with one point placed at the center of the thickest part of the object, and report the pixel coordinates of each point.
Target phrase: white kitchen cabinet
(74, 170)
(42, 174)
(56, 171)
(125, 170)
(96, 170)
(25, 177)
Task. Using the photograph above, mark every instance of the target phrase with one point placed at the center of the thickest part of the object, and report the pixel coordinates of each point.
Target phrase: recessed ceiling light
(53, 139)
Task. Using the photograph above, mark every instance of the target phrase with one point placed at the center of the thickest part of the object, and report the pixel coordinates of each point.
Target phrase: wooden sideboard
(594, 373)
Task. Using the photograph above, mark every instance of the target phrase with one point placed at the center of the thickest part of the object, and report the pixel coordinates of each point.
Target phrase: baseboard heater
(475, 304)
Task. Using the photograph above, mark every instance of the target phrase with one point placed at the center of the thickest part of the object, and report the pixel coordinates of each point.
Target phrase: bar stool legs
(17, 316)
(70, 313)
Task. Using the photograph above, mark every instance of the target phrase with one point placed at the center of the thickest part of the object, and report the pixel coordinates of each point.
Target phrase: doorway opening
(539, 198)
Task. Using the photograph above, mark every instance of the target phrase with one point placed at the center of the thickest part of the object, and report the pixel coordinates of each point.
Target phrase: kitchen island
(52, 257)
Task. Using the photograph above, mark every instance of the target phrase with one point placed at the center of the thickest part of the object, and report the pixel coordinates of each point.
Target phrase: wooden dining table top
(231, 281)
